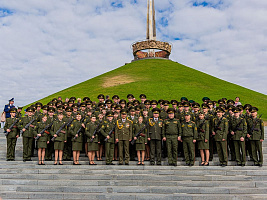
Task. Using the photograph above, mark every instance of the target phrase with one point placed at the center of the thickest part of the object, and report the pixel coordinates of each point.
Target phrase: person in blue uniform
(8, 107)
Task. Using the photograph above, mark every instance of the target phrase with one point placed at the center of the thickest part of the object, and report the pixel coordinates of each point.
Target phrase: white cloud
(50, 45)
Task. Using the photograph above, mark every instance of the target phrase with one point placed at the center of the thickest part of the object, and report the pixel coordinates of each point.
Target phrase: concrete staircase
(27, 180)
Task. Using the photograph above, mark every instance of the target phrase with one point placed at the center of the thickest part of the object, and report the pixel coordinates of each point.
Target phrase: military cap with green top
(235, 110)
(101, 96)
(170, 111)
(253, 109)
(203, 105)
(155, 110)
(109, 101)
(174, 102)
(205, 99)
(30, 109)
(38, 104)
(69, 109)
(124, 111)
(109, 114)
(154, 102)
(184, 99)
(165, 103)
(142, 96)
(247, 106)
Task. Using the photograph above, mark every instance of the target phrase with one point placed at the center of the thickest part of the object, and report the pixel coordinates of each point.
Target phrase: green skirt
(58, 145)
(140, 147)
(203, 145)
(42, 145)
(92, 146)
(77, 146)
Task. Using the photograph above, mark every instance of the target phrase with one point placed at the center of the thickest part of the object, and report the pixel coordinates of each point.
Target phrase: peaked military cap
(39, 104)
(166, 103)
(12, 99)
(51, 109)
(204, 105)
(122, 101)
(153, 102)
(184, 99)
(20, 107)
(142, 96)
(118, 107)
(180, 104)
(209, 102)
(115, 97)
(136, 101)
(75, 105)
(65, 104)
(89, 102)
(132, 109)
(60, 107)
(109, 114)
(129, 104)
(174, 102)
(254, 109)
(230, 101)
(130, 96)
(170, 110)
(72, 99)
(83, 104)
(219, 110)
(54, 100)
(240, 107)
(30, 109)
(69, 109)
(78, 113)
(156, 110)
(205, 99)
(71, 102)
(13, 110)
(236, 110)
(187, 113)
(230, 107)
(124, 112)
(113, 105)
(147, 102)
(101, 105)
(160, 101)
(138, 107)
(196, 105)
(186, 104)
(86, 98)
(191, 101)
(220, 101)
(45, 107)
(101, 96)
(247, 106)
(109, 101)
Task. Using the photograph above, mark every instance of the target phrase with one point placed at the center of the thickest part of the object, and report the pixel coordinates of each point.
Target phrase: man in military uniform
(50, 147)
(123, 134)
(154, 136)
(170, 132)
(220, 130)
(153, 104)
(67, 152)
(238, 129)
(106, 128)
(163, 114)
(12, 133)
(27, 133)
(256, 136)
(188, 136)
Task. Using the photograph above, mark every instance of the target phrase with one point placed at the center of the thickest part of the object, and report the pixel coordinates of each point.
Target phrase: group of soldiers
(149, 129)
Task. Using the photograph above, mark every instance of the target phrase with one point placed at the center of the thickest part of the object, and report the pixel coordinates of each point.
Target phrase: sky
(48, 45)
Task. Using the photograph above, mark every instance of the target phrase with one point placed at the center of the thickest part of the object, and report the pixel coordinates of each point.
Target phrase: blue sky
(48, 45)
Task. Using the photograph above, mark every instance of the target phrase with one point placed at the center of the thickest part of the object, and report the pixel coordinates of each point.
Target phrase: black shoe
(7, 159)
(152, 163)
(256, 164)
(94, 164)
(60, 163)
(29, 159)
(175, 164)
(107, 163)
(187, 164)
(191, 164)
(260, 165)
(39, 163)
(12, 159)
(126, 163)
(243, 165)
(238, 164)
(48, 159)
(42, 164)
(120, 163)
(24, 160)
(111, 163)
(223, 165)
(158, 163)
(55, 163)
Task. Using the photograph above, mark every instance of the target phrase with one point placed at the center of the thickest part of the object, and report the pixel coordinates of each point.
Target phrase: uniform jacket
(73, 129)
(189, 129)
(222, 131)
(106, 128)
(241, 130)
(40, 126)
(29, 131)
(123, 130)
(155, 129)
(258, 132)
(55, 127)
(14, 131)
(89, 131)
(202, 129)
(171, 127)
(142, 138)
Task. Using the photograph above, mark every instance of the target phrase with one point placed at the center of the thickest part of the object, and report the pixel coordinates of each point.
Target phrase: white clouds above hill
(50, 45)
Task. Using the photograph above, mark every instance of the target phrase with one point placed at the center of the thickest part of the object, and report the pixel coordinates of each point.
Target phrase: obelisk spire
(151, 22)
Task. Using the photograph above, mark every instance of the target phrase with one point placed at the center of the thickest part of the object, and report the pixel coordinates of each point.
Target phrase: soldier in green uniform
(101, 138)
(77, 137)
(238, 129)
(188, 137)
(170, 132)
(90, 129)
(203, 138)
(134, 118)
(123, 134)
(256, 136)
(27, 133)
(153, 104)
(67, 152)
(220, 130)
(50, 147)
(108, 125)
(155, 136)
(38, 113)
(163, 114)
(19, 115)
(11, 134)
(43, 139)
(141, 140)
(59, 139)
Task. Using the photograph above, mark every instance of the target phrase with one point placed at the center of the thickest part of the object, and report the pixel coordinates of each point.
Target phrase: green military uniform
(89, 131)
(239, 127)
(50, 147)
(256, 132)
(220, 127)
(27, 136)
(109, 146)
(132, 148)
(42, 141)
(171, 129)
(11, 138)
(123, 132)
(142, 138)
(62, 137)
(67, 152)
(77, 143)
(203, 133)
(188, 134)
(155, 135)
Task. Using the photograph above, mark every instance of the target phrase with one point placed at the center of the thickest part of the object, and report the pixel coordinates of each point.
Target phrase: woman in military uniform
(203, 138)
(77, 138)
(60, 139)
(101, 137)
(141, 140)
(11, 134)
(92, 146)
(43, 139)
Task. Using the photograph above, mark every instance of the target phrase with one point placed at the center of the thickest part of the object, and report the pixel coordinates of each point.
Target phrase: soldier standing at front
(238, 129)
(123, 134)
(27, 133)
(256, 136)
(154, 136)
(12, 134)
(188, 136)
(170, 132)
(219, 130)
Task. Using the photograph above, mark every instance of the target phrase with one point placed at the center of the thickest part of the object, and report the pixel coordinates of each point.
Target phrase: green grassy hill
(162, 79)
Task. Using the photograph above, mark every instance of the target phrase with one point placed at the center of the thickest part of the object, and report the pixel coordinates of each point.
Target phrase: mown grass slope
(162, 79)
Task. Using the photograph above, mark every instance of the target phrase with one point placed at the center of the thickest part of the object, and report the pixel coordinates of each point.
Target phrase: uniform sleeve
(262, 129)
(163, 128)
(131, 131)
(116, 131)
(6, 125)
(71, 130)
(207, 130)
(102, 130)
(195, 132)
(245, 130)
(225, 131)
(179, 128)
